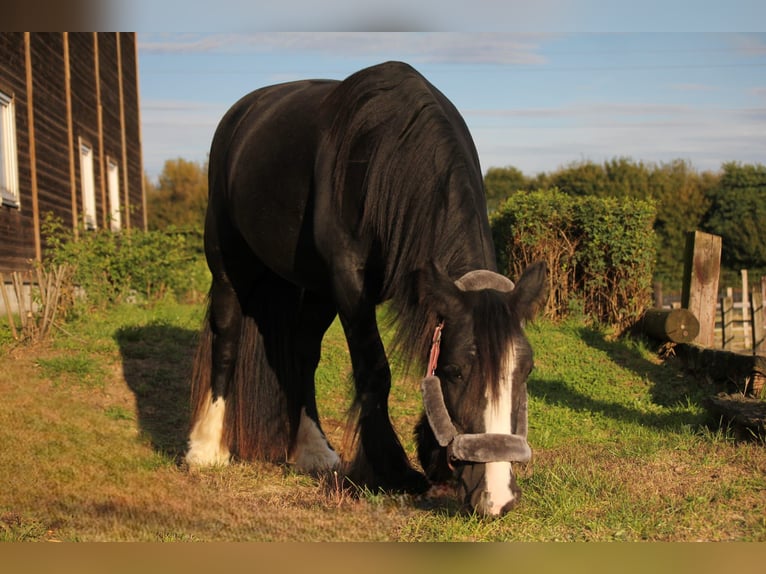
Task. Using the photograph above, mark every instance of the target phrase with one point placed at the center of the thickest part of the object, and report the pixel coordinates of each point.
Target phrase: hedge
(600, 251)
(143, 266)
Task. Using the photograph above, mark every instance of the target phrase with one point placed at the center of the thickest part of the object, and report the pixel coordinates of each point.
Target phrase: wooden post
(756, 315)
(727, 321)
(123, 141)
(32, 146)
(763, 300)
(763, 294)
(105, 209)
(140, 137)
(746, 331)
(702, 267)
(70, 134)
(658, 298)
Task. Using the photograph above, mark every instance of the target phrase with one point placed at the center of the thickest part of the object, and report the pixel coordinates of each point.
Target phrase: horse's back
(319, 174)
(262, 169)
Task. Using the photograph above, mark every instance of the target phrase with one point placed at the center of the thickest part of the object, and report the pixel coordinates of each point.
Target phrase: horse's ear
(437, 291)
(531, 291)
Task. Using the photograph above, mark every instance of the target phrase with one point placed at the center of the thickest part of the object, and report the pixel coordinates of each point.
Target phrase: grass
(93, 424)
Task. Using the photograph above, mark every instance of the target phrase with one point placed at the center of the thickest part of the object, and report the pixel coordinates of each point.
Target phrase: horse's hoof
(414, 483)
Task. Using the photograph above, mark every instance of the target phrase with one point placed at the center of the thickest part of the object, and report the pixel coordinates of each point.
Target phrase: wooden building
(70, 138)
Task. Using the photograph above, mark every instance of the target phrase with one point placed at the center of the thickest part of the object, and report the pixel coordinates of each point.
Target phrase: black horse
(328, 198)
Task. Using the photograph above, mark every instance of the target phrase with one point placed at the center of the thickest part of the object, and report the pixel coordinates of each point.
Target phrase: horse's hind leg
(310, 450)
(206, 439)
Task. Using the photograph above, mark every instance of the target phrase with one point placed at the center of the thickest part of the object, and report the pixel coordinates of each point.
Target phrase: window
(88, 185)
(9, 171)
(113, 182)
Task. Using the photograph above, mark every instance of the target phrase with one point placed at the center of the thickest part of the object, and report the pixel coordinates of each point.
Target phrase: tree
(502, 182)
(180, 196)
(681, 195)
(737, 213)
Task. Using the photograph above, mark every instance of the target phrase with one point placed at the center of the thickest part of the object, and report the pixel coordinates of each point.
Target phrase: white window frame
(113, 185)
(9, 164)
(87, 185)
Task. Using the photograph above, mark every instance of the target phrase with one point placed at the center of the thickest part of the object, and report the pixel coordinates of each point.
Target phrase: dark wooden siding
(110, 104)
(132, 129)
(51, 133)
(17, 238)
(93, 61)
(82, 55)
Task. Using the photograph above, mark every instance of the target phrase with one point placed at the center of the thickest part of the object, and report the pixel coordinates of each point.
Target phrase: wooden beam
(70, 134)
(105, 210)
(32, 144)
(122, 135)
(140, 138)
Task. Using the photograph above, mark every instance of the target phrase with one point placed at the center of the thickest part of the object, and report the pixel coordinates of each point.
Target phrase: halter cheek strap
(435, 344)
(484, 447)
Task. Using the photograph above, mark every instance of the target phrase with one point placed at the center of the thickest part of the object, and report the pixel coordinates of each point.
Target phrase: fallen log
(670, 325)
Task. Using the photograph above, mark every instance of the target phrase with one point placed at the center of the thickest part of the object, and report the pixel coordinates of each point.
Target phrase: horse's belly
(280, 233)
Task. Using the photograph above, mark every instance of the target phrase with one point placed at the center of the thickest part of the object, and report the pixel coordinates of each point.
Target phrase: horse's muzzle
(483, 447)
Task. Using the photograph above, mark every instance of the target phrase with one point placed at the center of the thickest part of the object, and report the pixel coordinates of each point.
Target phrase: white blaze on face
(205, 439)
(497, 419)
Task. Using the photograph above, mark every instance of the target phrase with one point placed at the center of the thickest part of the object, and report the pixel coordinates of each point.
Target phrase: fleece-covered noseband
(483, 447)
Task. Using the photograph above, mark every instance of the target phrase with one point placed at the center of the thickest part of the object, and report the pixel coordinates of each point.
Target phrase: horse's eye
(453, 372)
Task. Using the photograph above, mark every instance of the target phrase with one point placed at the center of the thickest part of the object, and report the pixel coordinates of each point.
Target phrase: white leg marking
(497, 419)
(205, 439)
(312, 452)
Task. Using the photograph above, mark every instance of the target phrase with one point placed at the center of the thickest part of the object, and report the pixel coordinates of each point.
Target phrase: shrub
(137, 265)
(600, 251)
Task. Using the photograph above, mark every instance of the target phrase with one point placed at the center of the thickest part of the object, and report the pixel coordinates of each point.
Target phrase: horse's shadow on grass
(156, 362)
(668, 387)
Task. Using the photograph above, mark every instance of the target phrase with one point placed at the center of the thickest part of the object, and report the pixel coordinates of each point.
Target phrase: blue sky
(535, 101)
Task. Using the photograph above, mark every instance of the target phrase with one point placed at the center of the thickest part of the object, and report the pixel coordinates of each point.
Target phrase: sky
(536, 101)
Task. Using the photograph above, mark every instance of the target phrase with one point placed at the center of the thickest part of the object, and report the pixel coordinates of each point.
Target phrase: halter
(480, 447)
(435, 344)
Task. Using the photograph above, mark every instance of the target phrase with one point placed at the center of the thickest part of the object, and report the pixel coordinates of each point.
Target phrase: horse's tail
(259, 412)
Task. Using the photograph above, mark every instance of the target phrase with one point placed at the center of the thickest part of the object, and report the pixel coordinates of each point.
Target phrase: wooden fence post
(763, 294)
(746, 311)
(727, 321)
(756, 315)
(702, 267)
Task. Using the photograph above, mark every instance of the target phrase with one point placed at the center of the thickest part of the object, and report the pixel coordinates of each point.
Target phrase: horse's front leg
(380, 460)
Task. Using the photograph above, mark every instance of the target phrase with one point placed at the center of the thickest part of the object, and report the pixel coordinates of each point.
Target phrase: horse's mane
(407, 169)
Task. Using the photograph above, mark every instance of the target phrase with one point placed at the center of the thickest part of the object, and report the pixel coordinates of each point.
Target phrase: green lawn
(93, 423)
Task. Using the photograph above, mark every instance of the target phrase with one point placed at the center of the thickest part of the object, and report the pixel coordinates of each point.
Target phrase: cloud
(347, 15)
(476, 48)
(753, 45)
(586, 112)
(176, 128)
(694, 87)
(536, 140)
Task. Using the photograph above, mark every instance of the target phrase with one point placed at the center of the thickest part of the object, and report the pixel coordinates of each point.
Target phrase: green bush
(142, 266)
(600, 251)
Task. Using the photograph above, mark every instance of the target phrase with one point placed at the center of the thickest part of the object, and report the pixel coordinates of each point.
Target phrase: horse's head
(475, 424)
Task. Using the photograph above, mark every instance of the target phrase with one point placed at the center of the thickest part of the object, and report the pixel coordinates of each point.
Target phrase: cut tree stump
(746, 415)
